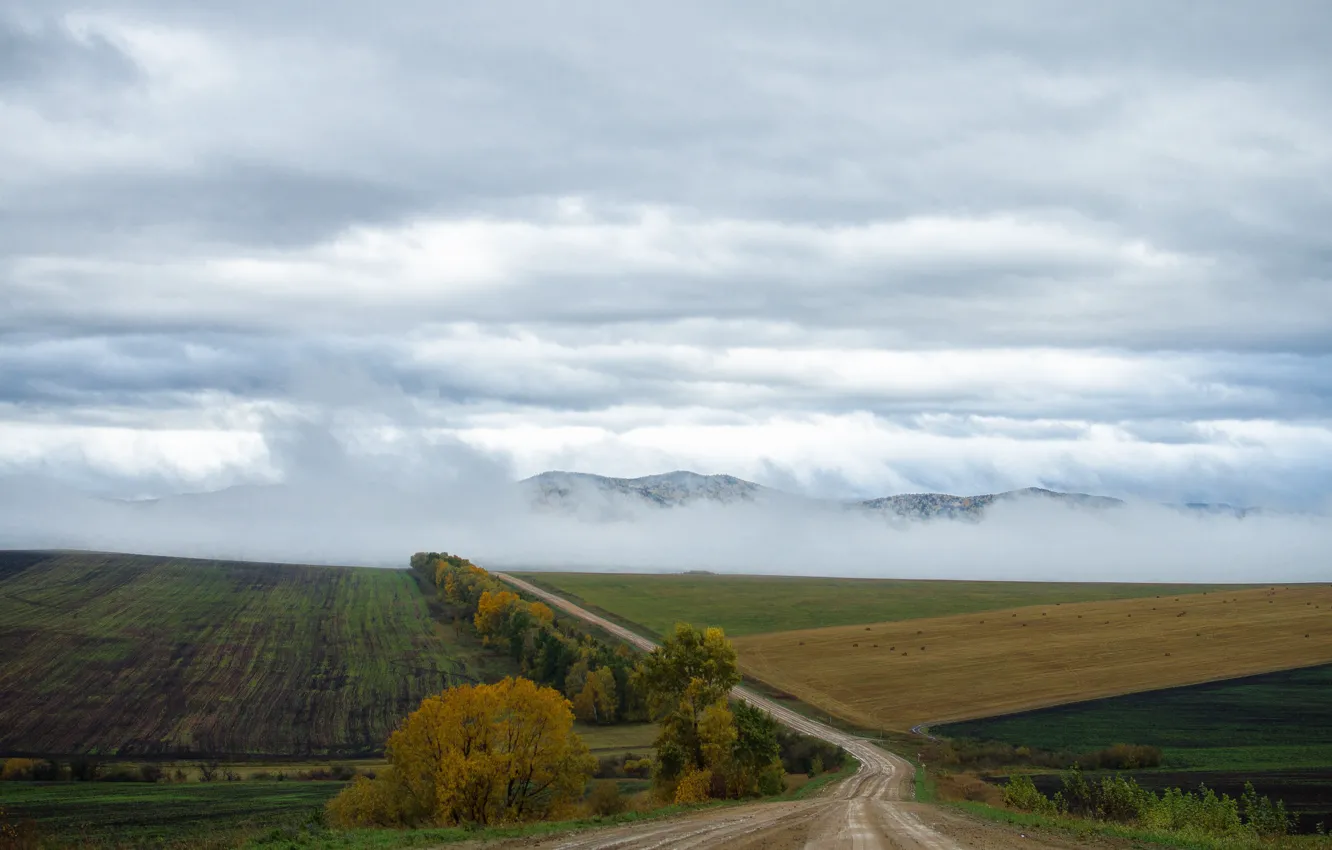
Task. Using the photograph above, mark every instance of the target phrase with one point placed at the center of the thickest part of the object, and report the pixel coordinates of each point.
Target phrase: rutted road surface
(868, 811)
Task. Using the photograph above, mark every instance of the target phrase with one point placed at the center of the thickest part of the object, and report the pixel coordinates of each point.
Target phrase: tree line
(508, 752)
(597, 678)
(972, 754)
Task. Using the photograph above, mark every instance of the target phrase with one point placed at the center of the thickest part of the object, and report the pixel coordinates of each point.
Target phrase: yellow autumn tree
(541, 613)
(596, 701)
(477, 754)
(492, 610)
(17, 768)
(687, 680)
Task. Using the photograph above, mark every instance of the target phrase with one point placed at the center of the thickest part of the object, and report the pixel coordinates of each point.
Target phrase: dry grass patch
(896, 675)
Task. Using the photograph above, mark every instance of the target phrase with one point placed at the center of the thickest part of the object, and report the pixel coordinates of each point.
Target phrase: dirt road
(869, 811)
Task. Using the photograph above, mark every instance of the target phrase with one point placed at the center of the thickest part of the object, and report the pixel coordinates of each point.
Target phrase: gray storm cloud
(964, 247)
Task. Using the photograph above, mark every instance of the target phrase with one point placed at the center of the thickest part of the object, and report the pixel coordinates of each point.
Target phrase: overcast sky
(850, 248)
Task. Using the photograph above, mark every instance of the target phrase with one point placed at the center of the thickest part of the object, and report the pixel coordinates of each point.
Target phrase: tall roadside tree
(687, 680)
(756, 763)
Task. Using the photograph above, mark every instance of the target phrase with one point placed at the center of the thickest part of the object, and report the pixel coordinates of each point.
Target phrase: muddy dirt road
(869, 811)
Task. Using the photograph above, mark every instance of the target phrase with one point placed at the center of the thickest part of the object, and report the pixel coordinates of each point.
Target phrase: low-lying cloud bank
(336, 508)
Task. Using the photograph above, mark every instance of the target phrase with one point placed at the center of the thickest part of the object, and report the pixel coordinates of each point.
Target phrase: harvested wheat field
(897, 675)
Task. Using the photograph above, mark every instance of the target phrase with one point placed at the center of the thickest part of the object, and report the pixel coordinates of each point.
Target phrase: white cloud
(870, 250)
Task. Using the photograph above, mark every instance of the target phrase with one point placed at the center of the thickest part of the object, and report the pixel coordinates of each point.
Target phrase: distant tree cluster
(599, 679)
(80, 769)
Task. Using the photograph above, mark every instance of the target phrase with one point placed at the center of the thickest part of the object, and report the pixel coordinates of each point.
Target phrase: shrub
(993, 754)
(1125, 757)
(638, 768)
(121, 773)
(798, 751)
(772, 780)
(1076, 797)
(694, 786)
(46, 771)
(151, 773)
(335, 773)
(84, 770)
(967, 786)
(1021, 793)
(369, 803)
(17, 769)
(605, 798)
(1194, 813)
(610, 767)
(21, 835)
(1123, 800)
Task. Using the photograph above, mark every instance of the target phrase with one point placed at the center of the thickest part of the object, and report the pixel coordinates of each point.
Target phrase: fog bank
(333, 507)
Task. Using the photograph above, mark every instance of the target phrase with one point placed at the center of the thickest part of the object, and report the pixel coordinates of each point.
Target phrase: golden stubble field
(896, 675)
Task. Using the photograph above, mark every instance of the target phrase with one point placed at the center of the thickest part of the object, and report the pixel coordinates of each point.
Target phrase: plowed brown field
(897, 675)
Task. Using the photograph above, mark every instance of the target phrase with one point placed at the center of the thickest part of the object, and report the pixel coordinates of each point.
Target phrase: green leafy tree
(686, 680)
(756, 764)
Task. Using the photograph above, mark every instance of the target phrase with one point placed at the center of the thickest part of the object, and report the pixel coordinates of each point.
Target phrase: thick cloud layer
(864, 251)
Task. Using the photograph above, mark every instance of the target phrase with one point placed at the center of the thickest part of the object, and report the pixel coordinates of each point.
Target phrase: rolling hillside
(131, 655)
(899, 674)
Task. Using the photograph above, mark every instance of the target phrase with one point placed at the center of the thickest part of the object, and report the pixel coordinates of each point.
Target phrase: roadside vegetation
(747, 605)
(596, 675)
(1201, 817)
(483, 755)
(475, 755)
(1083, 805)
(1273, 731)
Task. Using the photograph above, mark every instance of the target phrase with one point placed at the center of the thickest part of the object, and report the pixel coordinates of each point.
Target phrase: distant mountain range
(572, 492)
(671, 489)
(600, 497)
(585, 493)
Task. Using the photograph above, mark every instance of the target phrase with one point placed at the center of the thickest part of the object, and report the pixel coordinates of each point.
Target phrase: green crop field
(129, 655)
(135, 814)
(746, 605)
(621, 738)
(1276, 720)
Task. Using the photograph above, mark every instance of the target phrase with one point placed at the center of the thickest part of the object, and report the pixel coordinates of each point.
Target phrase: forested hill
(583, 492)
